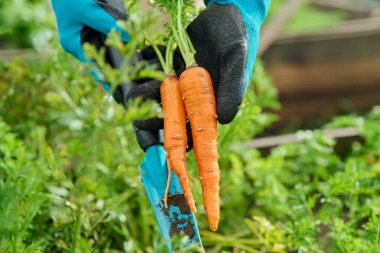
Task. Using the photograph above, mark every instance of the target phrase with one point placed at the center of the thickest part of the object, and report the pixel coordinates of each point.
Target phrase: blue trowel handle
(177, 219)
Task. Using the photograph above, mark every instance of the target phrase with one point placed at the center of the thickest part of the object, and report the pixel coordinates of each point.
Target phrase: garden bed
(327, 73)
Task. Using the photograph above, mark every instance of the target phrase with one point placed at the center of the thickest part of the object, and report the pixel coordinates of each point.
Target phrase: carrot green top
(167, 62)
(178, 11)
(184, 43)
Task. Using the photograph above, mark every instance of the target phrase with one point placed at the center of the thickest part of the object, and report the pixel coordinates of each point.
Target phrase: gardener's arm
(74, 20)
(226, 37)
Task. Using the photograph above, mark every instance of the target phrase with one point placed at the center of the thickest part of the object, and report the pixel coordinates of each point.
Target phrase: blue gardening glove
(90, 21)
(74, 16)
(226, 38)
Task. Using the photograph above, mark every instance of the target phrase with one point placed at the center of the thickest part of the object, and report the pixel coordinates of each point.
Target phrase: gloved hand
(89, 21)
(74, 16)
(226, 37)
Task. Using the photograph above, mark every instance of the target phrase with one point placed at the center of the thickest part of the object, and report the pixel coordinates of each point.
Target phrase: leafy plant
(26, 23)
(69, 180)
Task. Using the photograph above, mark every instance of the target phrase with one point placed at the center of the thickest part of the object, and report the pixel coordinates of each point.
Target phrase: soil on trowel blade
(179, 224)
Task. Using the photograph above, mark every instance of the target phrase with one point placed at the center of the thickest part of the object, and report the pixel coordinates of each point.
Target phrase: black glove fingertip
(227, 113)
(147, 139)
(149, 89)
(190, 143)
(149, 124)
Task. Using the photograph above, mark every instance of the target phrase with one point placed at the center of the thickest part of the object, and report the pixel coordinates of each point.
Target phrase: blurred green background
(68, 157)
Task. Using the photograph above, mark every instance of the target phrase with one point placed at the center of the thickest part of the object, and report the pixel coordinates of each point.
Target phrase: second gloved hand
(73, 16)
(89, 21)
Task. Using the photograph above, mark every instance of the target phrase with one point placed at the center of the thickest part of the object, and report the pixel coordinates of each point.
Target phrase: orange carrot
(198, 94)
(175, 136)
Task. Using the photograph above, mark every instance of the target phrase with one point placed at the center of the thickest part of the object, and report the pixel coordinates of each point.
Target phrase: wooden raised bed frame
(319, 75)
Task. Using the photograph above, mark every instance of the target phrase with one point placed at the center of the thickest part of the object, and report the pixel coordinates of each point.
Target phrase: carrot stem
(192, 49)
(167, 62)
(181, 36)
(170, 57)
(161, 59)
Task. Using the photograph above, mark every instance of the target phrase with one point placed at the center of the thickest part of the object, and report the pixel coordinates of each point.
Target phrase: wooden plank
(349, 29)
(305, 113)
(323, 74)
(355, 10)
(271, 30)
(339, 77)
(313, 63)
(273, 141)
(9, 54)
(344, 138)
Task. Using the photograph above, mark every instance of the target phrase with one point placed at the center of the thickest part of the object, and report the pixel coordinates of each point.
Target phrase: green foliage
(85, 146)
(21, 196)
(171, 7)
(69, 180)
(181, 14)
(74, 160)
(25, 23)
(319, 201)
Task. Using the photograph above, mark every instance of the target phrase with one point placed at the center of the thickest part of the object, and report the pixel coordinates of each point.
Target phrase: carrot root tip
(167, 185)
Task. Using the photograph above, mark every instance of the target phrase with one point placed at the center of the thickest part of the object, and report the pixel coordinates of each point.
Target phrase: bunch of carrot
(190, 97)
(175, 133)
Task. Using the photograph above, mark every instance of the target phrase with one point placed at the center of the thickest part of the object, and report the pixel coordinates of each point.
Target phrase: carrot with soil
(175, 134)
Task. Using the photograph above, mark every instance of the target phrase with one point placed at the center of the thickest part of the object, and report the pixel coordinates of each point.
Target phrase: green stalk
(167, 55)
(179, 27)
(167, 62)
(183, 41)
(170, 57)
(181, 48)
(192, 49)
(161, 59)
